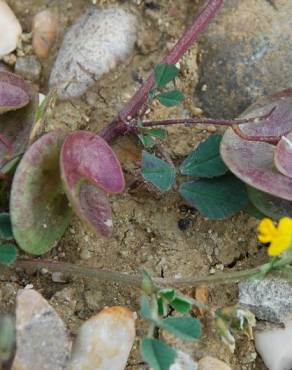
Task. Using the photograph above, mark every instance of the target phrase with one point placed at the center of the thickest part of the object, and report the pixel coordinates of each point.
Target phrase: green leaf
(181, 305)
(216, 198)
(205, 161)
(269, 205)
(5, 227)
(146, 141)
(170, 98)
(145, 310)
(8, 253)
(167, 293)
(251, 210)
(157, 354)
(158, 172)
(162, 306)
(164, 73)
(7, 337)
(186, 328)
(160, 133)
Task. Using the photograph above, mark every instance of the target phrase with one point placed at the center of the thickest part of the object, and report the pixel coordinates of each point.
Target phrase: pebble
(275, 347)
(104, 341)
(268, 299)
(45, 27)
(91, 48)
(244, 55)
(183, 362)
(28, 67)
(212, 363)
(10, 29)
(41, 338)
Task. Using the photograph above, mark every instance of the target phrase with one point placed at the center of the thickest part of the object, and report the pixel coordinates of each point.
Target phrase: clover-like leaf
(160, 173)
(170, 98)
(39, 208)
(14, 92)
(253, 161)
(186, 327)
(157, 354)
(216, 198)
(283, 155)
(269, 205)
(8, 253)
(90, 169)
(205, 160)
(164, 73)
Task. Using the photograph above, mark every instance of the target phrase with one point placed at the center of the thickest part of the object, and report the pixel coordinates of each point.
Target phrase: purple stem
(119, 124)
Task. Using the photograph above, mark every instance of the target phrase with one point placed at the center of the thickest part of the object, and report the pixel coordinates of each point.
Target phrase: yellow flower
(279, 237)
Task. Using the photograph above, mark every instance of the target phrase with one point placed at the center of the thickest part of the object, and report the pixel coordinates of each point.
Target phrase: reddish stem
(119, 124)
(265, 139)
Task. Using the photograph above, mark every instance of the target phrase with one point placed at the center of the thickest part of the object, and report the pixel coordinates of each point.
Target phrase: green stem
(136, 280)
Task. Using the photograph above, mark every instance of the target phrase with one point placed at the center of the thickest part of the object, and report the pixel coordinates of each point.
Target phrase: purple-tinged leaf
(253, 163)
(90, 169)
(39, 208)
(14, 92)
(283, 155)
(16, 127)
(278, 110)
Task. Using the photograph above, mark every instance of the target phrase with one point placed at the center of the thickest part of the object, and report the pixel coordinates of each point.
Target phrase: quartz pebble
(10, 29)
(275, 346)
(212, 363)
(92, 47)
(183, 362)
(41, 337)
(44, 32)
(104, 341)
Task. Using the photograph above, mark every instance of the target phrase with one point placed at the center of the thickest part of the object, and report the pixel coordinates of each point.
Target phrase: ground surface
(146, 225)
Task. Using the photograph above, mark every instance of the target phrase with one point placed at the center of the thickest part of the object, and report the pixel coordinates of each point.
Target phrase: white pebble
(104, 341)
(91, 48)
(10, 29)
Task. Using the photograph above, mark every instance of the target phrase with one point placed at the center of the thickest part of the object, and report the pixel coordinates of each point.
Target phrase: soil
(146, 233)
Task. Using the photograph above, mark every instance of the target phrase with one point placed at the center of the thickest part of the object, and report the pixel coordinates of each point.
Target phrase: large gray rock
(91, 48)
(246, 53)
(41, 338)
(268, 299)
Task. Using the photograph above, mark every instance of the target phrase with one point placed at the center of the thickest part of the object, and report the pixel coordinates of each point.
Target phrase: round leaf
(90, 169)
(283, 155)
(14, 92)
(170, 98)
(253, 162)
(38, 206)
(5, 227)
(216, 198)
(186, 328)
(164, 73)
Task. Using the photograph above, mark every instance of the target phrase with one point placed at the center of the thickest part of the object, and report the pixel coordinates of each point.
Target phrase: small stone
(10, 29)
(91, 48)
(104, 341)
(29, 68)
(244, 55)
(212, 363)
(268, 299)
(42, 341)
(59, 277)
(44, 30)
(183, 362)
(275, 347)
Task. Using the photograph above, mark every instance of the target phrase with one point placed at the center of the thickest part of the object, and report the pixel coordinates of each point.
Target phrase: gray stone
(183, 362)
(91, 48)
(268, 299)
(246, 53)
(41, 337)
(29, 68)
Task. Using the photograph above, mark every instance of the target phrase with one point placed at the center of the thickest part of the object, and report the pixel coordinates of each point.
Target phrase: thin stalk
(136, 280)
(119, 124)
